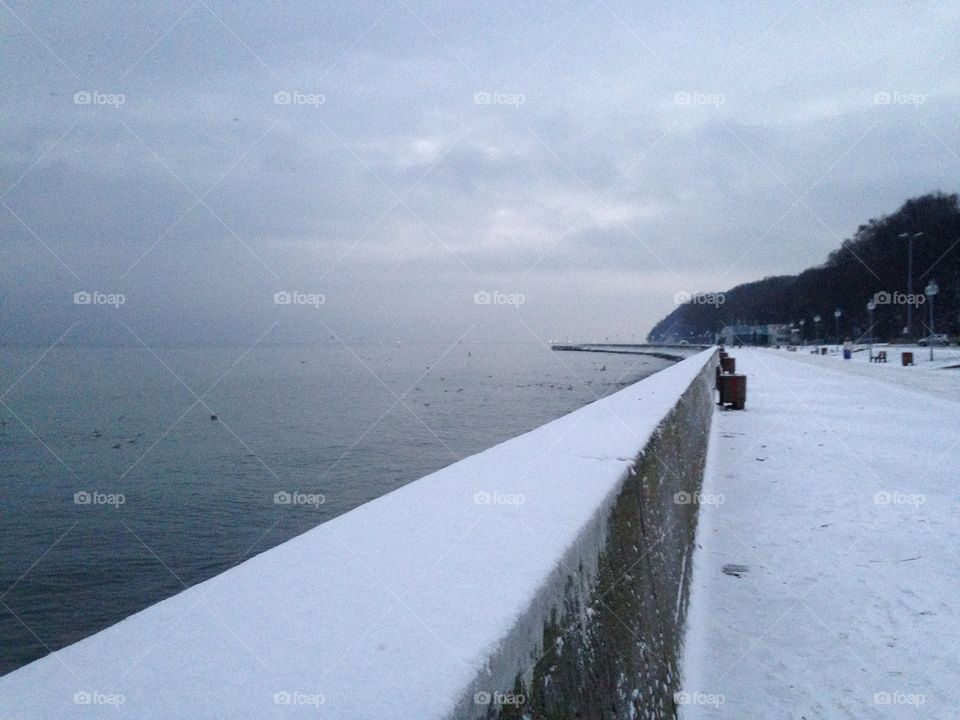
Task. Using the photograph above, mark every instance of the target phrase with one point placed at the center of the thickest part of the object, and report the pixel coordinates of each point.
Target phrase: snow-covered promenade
(827, 575)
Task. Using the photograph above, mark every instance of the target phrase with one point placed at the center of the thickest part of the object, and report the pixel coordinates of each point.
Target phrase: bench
(880, 357)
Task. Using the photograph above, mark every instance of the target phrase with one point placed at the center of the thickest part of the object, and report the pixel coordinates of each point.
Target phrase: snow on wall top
(389, 610)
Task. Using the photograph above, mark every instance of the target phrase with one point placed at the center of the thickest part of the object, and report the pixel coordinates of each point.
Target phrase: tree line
(872, 266)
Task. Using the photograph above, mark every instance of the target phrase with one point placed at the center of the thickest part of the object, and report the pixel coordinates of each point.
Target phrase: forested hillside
(870, 265)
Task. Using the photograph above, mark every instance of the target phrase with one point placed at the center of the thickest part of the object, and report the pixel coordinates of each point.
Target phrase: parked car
(937, 339)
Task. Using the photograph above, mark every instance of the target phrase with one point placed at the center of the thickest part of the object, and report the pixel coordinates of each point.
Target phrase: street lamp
(932, 289)
(802, 338)
(910, 238)
(871, 306)
(816, 324)
(836, 318)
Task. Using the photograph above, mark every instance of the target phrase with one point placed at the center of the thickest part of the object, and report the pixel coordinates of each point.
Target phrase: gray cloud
(597, 158)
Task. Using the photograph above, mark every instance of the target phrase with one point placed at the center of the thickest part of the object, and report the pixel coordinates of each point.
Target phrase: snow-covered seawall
(545, 576)
(602, 636)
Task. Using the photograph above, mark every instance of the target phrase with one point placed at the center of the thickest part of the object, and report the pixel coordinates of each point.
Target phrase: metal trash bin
(728, 364)
(906, 358)
(733, 391)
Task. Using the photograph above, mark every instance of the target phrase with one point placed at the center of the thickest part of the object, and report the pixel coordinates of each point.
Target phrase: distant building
(771, 334)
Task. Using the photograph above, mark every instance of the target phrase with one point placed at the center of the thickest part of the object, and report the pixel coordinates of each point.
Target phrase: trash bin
(906, 358)
(728, 364)
(733, 391)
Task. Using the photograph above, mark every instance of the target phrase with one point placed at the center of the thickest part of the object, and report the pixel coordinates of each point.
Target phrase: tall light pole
(836, 318)
(802, 338)
(816, 325)
(871, 306)
(910, 238)
(932, 289)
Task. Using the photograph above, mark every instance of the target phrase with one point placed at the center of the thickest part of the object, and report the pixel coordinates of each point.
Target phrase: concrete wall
(602, 639)
(437, 600)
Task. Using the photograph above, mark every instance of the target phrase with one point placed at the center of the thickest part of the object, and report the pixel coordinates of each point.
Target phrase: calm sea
(117, 489)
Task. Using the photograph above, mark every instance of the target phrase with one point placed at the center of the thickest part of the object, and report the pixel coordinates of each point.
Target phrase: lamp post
(932, 289)
(836, 319)
(910, 237)
(816, 325)
(802, 338)
(871, 306)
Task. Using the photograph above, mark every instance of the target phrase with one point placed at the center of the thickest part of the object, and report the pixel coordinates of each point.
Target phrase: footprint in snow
(736, 571)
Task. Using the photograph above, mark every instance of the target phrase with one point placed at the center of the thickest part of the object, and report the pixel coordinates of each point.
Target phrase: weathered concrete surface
(616, 608)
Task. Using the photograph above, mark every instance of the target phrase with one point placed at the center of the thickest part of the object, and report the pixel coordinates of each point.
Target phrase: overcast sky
(588, 160)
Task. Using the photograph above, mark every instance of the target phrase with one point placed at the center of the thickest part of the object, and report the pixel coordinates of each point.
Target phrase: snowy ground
(827, 583)
(943, 356)
(937, 378)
